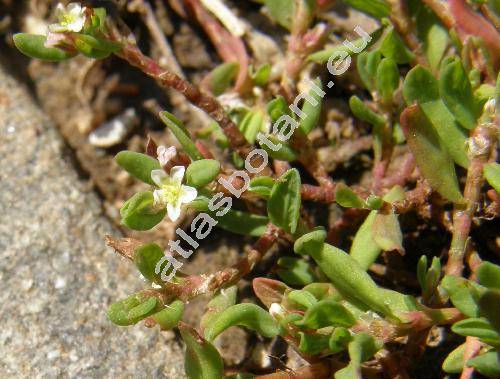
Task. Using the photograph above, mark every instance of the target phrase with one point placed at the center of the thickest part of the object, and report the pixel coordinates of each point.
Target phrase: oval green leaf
(431, 156)
(33, 46)
(202, 172)
(138, 213)
(138, 165)
(283, 206)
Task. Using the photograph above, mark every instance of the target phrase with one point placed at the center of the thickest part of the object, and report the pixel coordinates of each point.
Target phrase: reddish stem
(131, 53)
(480, 145)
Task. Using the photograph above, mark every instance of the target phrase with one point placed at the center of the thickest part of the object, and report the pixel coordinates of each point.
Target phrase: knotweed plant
(428, 74)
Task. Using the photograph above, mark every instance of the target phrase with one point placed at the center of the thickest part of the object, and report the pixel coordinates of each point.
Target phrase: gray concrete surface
(57, 278)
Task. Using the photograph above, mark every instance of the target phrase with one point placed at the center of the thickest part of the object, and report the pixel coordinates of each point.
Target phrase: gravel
(57, 276)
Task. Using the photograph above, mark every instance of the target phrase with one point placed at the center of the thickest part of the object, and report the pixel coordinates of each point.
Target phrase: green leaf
(145, 258)
(421, 87)
(393, 47)
(364, 249)
(487, 364)
(248, 315)
(323, 291)
(284, 153)
(138, 165)
(277, 108)
(476, 327)
(387, 79)
(312, 112)
(295, 272)
(327, 313)
(489, 306)
(234, 221)
(261, 185)
(100, 44)
(133, 309)
(244, 223)
(431, 156)
(361, 111)
(339, 339)
(139, 213)
(281, 11)
(345, 197)
(251, 125)
(261, 76)
(386, 232)
(202, 360)
(497, 90)
(99, 19)
(367, 65)
(482, 94)
(492, 175)
(344, 272)
(488, 275)
(182, 135)
(221, 77)
(464, 294)
(169, 316)
(313, 344)
(428, 279)
(32, 45)
(374, 202)
(422, 272)
(300, 300)
(221, 300)
(324, 55)
(456, 92)
(434, 36)
(351, 371)
(362, 347)
(202, 172)
(375, 8)
(454, 362)
(283, 205)
(87, 50)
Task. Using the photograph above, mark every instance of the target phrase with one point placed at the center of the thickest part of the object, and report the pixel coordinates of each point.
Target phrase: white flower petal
(188, 194)
(159, 177)
(74, 8)
(60, 10)
(177, 173)
(158, 197)
(77, 25)
(165, 154)
(174, 211)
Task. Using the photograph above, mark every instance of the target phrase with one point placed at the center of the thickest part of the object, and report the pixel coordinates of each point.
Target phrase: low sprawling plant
(429, 74)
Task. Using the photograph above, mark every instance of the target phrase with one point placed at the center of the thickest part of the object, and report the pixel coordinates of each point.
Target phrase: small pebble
(53, 354)
(60, 283)
(114, 131)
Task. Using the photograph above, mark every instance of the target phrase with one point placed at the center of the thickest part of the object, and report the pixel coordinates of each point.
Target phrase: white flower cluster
(71, 18)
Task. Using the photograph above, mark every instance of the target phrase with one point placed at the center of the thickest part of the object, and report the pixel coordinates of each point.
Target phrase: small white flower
(71, 18)
(172, 193)
(165, 154)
